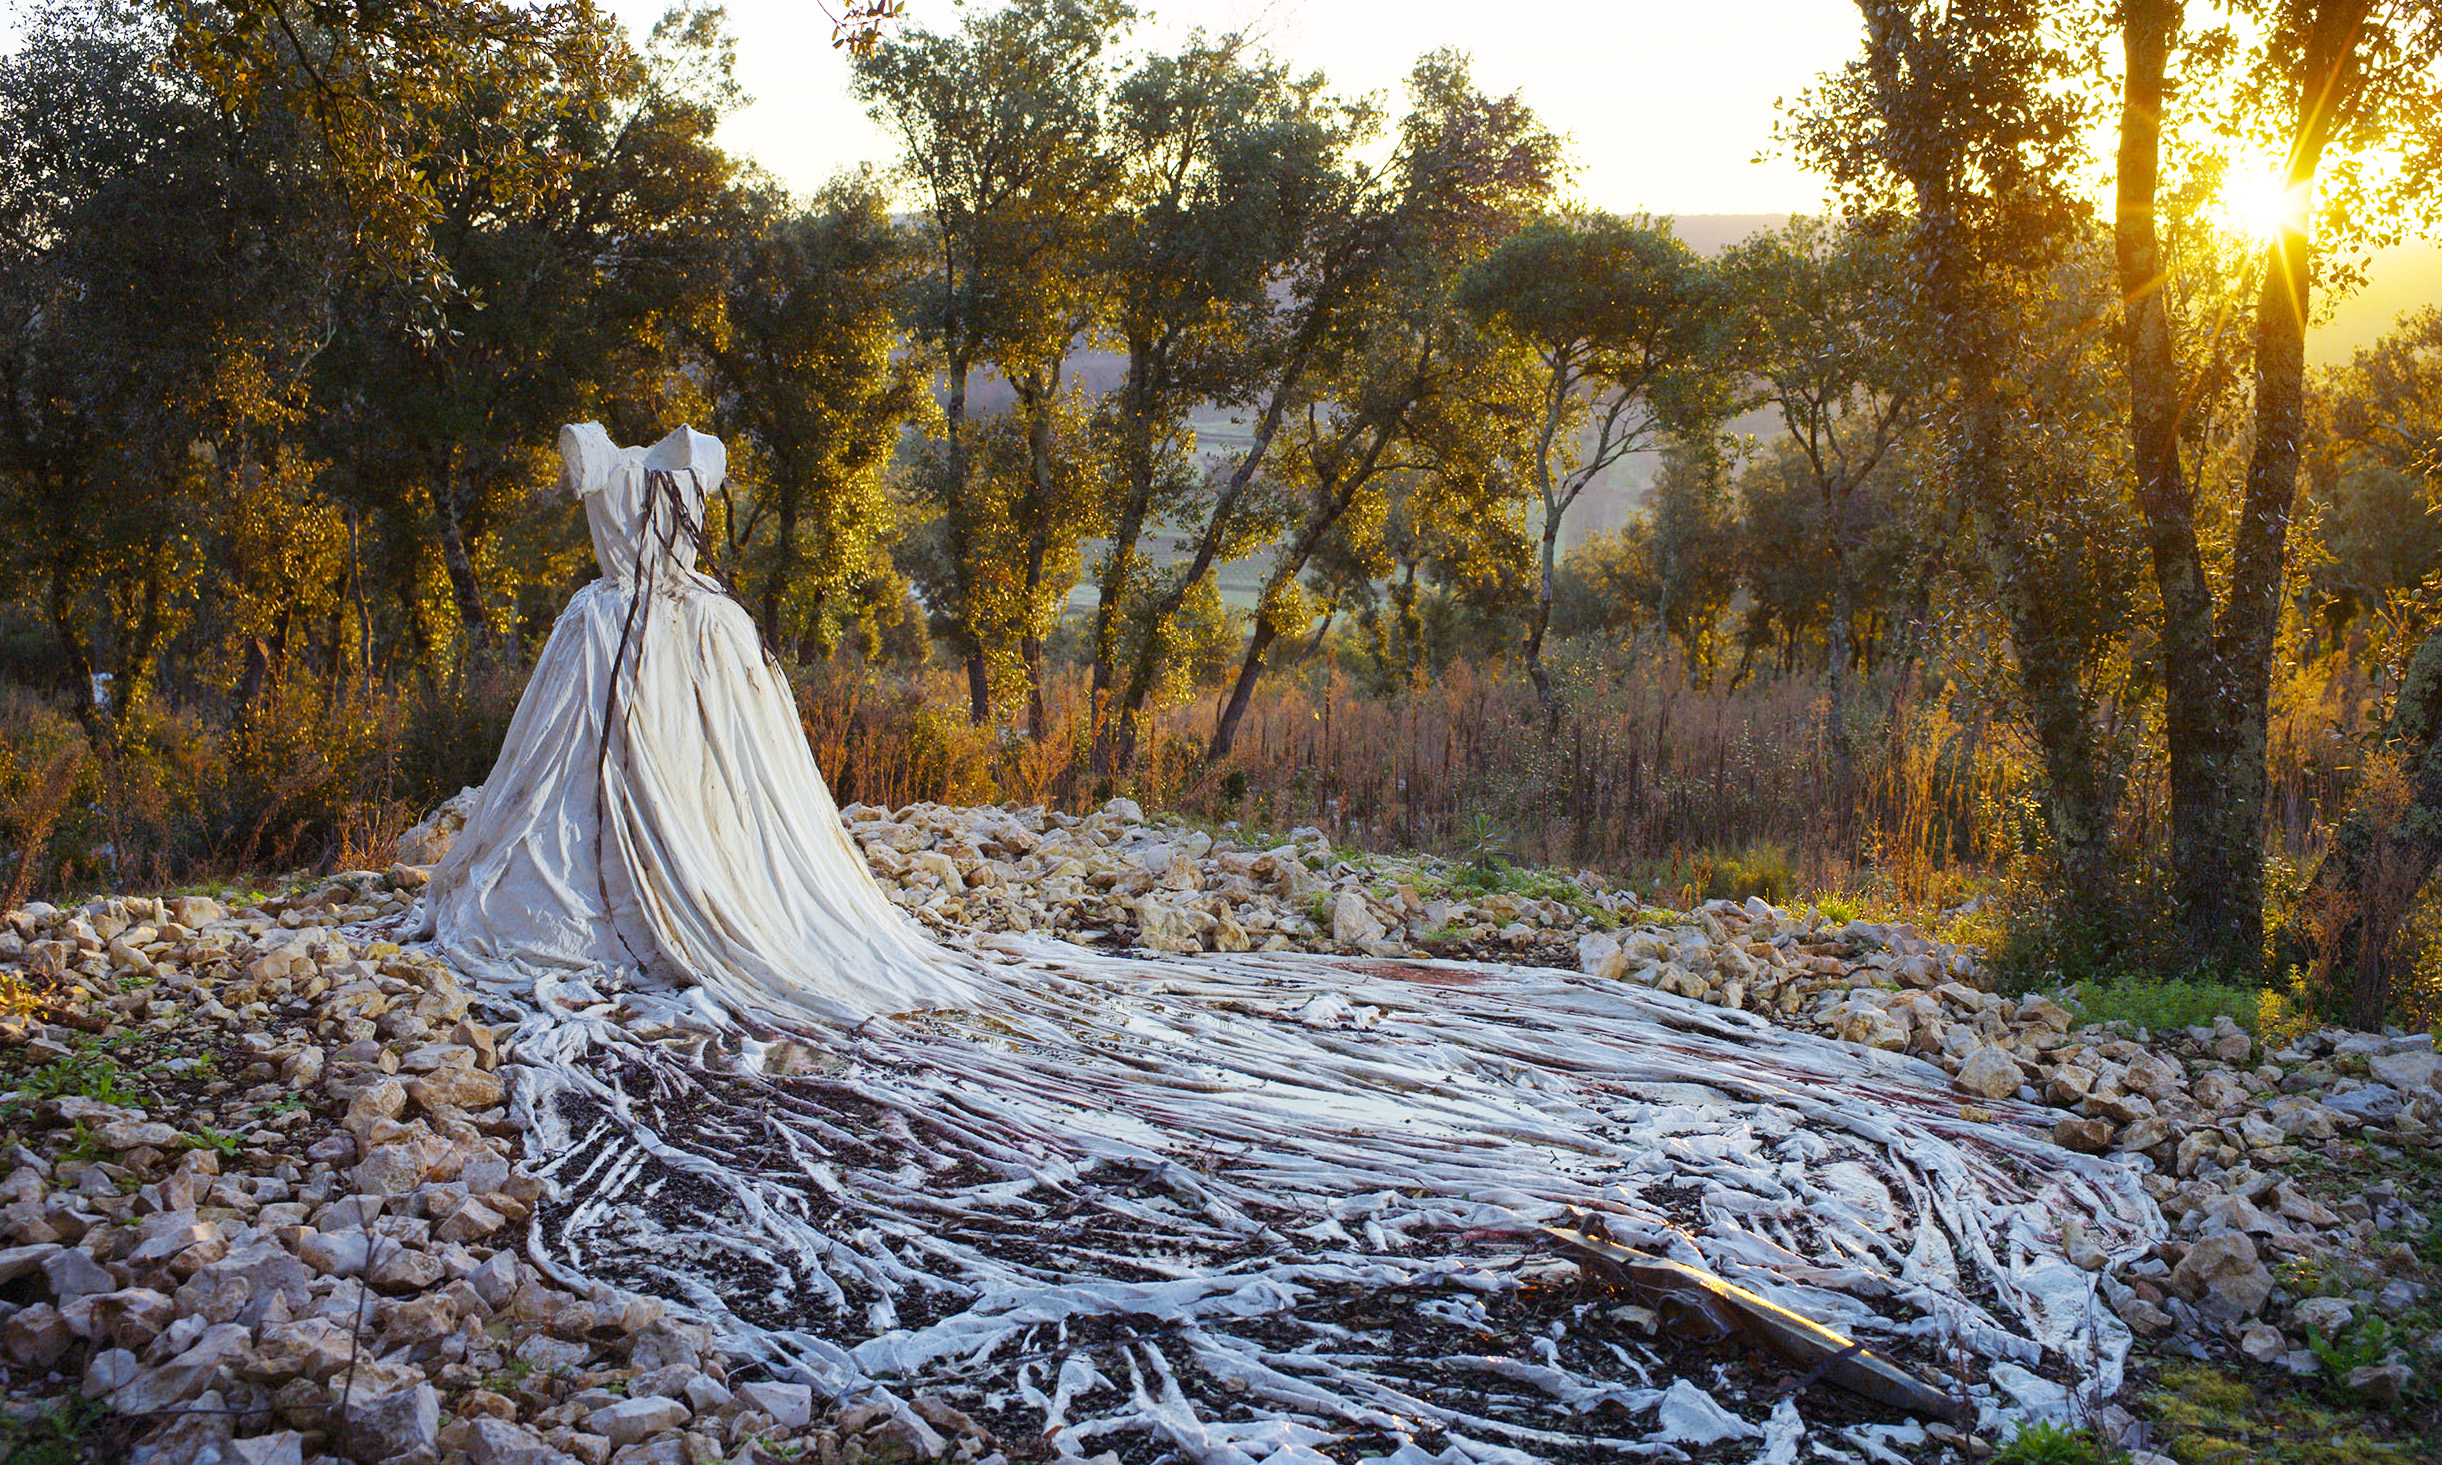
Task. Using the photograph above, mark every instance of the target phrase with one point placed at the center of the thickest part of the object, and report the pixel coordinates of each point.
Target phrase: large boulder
(1353, 920)
(2412, 1070)
(427, 842)
(1991, 1072)
(401, 1422)
(2225, 1275)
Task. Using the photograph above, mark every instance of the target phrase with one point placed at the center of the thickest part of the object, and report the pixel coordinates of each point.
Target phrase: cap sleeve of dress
(585, 458)
(711, 463)
(707, 458)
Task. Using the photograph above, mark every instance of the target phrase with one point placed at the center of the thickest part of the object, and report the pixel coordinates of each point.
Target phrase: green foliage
(207, 1138)
(50, 1432)
(1620, 318)
(2053, 1444)
(87, 1074)
(1764, 869)
(817, 394)
(2204, 1414)
(2163, 1006)
(1486, 849)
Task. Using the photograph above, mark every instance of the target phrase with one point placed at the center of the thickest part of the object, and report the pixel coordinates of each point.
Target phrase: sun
(2256, 202)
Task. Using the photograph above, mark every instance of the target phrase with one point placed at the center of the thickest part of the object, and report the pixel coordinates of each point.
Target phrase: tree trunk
(954, 416)
(449, 509)
(784, 555)
(2081, 792)
(1556, 398)
(2214, 854)
(1145, 668)
(1225, 733)
(2220, 859)
(1545, 697)
(1842, 653)
(1030, 645)
(979, 687)
(1111, 587)
(364, 606)
(1038, 392)
(140, 640)
(1335, 494)
(90, 714)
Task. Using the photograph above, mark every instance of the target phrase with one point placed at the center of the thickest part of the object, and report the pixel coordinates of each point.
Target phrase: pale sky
(1666, 103)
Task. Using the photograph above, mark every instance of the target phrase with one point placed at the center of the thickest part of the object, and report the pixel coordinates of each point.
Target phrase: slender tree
(1467, 172)
(1958, 133)
(812, 396)
(1620, 315)
(1225, 160)
(2330, 77)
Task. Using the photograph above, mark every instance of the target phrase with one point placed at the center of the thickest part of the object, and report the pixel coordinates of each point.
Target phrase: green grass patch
(2163, 1005)
(2207, 1417)
(2050, 1444)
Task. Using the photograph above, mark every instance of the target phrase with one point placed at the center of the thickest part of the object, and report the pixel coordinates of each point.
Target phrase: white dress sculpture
(655, 809)
(1105, 1163)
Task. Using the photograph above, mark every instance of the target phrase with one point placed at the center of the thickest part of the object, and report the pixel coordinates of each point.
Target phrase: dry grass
(1678, 792)
(1644, 778)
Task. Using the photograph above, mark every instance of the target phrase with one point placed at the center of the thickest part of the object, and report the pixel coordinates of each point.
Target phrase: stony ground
(263, 1201)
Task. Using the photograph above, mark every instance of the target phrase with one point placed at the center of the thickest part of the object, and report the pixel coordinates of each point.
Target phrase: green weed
(51, 1433)
(2166, 1005)
(2051, 1444)
(88, 1073)
(1484, 846)
(207, 1138)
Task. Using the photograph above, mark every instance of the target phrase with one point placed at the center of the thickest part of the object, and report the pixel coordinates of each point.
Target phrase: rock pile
(1113, 878)
(267, 1208)
(267, 1202)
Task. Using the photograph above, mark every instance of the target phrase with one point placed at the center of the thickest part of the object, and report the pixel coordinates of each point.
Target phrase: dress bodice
(611, 481)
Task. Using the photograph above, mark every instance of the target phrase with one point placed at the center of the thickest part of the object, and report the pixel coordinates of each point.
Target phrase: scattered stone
(2384, 1383)
(791, 1406)
(400, 1422)
(2263, 1343)
(1990, 1072)
(247, 1286)
(2411, 1069)
(2225, 1274)
(630, 1420)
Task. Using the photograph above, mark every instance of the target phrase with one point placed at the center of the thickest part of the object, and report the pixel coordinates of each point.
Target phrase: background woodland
(2004, 557)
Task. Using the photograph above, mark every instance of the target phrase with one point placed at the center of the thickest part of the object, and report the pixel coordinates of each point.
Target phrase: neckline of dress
(656, 457)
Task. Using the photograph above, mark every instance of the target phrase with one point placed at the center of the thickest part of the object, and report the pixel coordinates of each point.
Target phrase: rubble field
(265, 1199)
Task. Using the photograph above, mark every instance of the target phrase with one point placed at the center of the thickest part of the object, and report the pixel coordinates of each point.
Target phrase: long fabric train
(1230, 1207)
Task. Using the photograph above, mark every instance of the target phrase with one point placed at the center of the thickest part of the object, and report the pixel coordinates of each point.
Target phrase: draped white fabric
(655, 808)
(1221, 1210)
